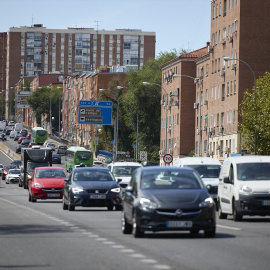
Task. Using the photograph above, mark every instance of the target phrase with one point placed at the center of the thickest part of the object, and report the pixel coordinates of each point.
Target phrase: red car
(47, 183)
(28, 136)
(6, 168)
(20, 140)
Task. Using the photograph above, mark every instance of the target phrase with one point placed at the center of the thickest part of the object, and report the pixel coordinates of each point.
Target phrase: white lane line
(148, 261)
(93, 235)
(101, 239)
(229, 228)
(118, 246)
(127, 250)
(159, 266)
(136, 255)
(109, 243)
(87, 233)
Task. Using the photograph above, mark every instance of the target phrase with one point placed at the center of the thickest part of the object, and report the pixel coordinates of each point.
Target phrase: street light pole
(49, 87)
(255, 101)
(167, 107)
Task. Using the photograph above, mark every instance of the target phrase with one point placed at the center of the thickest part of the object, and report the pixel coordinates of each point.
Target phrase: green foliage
(256, 117)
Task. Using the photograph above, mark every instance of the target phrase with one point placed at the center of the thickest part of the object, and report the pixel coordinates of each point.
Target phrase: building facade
(36, 50)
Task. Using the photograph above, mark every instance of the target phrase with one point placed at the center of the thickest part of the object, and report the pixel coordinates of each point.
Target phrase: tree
(145, 101)
(256, 117)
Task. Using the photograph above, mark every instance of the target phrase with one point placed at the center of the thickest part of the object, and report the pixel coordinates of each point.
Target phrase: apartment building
(239, 31)
(3, 45)
(177, 133)
(37, 50)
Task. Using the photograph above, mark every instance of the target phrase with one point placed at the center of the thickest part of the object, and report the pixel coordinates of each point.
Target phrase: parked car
(46, 183)
(56, 158)
(17, 136)
(12, 134)
(61, 149)
(167, 199)
(91, 187)
(13, 176)
(17, 162)
(123, 171)
(6, 168)
(19, 148)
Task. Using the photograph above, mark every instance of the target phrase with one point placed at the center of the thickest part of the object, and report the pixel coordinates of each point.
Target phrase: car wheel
(29, 197)
(118, 208)
(210, 233)
(236, 215)
(110, 207)
(220, 214)
(126, 227)
(137, 232)
(7, 182)
(64, 205)
(70, 207)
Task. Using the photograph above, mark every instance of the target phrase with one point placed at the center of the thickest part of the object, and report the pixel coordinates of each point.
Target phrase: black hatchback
(167, 199)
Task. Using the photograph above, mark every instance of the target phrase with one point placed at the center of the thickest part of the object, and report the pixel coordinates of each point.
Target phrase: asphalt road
(43, 236)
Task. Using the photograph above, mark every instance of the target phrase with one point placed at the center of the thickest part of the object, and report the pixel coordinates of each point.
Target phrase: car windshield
(253, 171)
(170, 179)
(14, 171)
(42, 173)
(10, 167)
(206, 171)
(124, 170)
(92, 175)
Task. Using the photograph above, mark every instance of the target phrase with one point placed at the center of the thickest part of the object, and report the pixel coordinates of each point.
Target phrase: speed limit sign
(168, 158)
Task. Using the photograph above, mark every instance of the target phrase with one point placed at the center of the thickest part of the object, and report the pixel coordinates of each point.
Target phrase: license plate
(53, 195)
(179, 224)
(265, 202)
(97, 196)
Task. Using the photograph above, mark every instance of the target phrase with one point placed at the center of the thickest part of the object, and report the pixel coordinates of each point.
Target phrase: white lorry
(18, 127)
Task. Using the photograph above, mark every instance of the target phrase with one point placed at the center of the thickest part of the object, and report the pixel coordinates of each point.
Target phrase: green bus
(39, 135)
(76, 155)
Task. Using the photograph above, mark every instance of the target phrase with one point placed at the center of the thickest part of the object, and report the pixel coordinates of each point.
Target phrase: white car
(12, 134)
(97, 163)
(13, 176)
(123, 170)
(11, 123)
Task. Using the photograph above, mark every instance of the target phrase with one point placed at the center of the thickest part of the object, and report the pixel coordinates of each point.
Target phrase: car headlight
(38, 185)
(208, 202)
(245, 190)
(147, 205)
(76, 190)
(116, 190)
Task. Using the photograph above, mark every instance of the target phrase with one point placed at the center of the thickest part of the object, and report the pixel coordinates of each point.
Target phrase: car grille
(52, 189)
(94, 191)
(186, 214)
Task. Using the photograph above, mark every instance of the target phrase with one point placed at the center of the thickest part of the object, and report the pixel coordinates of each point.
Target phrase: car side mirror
(129, 189)
(227, 180)
(119, 180)
(67, 181)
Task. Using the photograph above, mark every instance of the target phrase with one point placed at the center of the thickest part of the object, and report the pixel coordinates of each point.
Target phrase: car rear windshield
(206, 171)
(42, 173)
(124, 170)
(253, 171)
(41, 132)
(170, 179)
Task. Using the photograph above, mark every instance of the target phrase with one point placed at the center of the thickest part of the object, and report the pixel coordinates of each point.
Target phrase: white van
(244, 187)
(208, 168)
(123, 170)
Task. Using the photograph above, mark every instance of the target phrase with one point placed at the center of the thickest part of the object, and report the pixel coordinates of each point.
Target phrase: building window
(231, 87)
(223, 91)
(228, 89)
(235, 87)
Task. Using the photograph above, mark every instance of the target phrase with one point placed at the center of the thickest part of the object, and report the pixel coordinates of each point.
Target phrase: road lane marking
(159, 266)
(229, 228)
(148, 261)
(137, 255)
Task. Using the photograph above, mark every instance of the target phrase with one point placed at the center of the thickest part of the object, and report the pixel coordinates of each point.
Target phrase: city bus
(39, 135)
(76, 155)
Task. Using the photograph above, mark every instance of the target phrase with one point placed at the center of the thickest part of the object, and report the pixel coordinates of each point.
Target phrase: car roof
(49, 168)
(196, 161)
(125, 163)
(91, 169)
(248, 159)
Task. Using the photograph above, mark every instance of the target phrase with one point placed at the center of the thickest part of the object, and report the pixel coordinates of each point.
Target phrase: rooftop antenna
(32, 19)
(97, 25)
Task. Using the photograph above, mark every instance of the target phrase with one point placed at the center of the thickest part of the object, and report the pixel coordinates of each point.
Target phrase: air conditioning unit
(220, 129)
(196, 105)
(233, 67)
(222, 72)
(205, 102)
(210, 49)
(198, 131)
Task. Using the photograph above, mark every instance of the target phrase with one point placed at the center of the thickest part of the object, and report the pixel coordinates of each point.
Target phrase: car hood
(13, 175)
(51, 182)
(172, 198)
(96, 184)
(125, 179)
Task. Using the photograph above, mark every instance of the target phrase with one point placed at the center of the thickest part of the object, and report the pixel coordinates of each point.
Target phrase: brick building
(36, 50)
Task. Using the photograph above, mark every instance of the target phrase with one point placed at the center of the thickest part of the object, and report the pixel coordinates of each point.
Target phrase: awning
(205, 116)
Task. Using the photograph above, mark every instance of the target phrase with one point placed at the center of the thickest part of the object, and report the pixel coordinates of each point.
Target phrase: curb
(9, 152)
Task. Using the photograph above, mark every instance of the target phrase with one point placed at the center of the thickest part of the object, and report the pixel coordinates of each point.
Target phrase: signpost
(143, 155)
(95, 112)
(21, 99)
(168, 158)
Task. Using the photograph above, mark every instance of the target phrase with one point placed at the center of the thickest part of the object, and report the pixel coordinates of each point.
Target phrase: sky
(178, 24)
